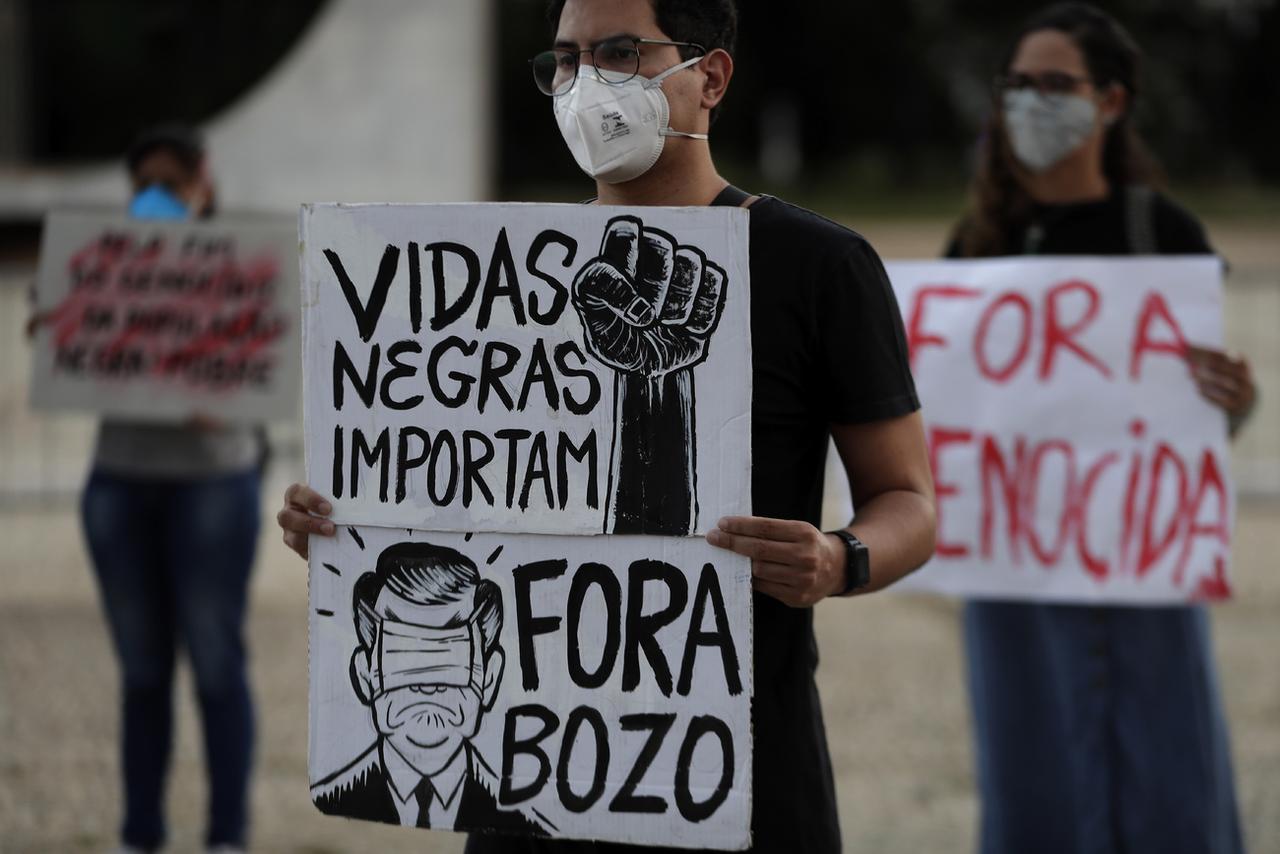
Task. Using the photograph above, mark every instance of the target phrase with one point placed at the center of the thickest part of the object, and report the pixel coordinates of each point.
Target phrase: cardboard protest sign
(1074, 459)
(542, 375)
(570, 369)
(569, 686)
(162, 320)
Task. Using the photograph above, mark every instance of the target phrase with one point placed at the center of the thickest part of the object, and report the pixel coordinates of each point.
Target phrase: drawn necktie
(423, 794)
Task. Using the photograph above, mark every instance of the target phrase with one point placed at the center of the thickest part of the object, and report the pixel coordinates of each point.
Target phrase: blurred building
(344, 100)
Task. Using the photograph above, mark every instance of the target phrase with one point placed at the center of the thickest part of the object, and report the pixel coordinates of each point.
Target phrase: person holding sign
(634, 88)
(171, 518)
(1097, 728)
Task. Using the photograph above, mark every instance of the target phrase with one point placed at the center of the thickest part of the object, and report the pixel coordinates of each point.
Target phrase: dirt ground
(892, 677)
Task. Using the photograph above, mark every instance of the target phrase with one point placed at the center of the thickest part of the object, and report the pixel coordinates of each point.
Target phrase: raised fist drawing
(649, 307)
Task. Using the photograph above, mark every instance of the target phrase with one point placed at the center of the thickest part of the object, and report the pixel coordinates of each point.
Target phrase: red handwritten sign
(162, 319)
(1073, 458)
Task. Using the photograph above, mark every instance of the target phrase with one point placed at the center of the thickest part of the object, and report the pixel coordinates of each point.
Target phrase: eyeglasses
(1046, 82)
(615, 61)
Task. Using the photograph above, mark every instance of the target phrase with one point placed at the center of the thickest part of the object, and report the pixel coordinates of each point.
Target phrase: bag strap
(1032, 238)
(1140, 221)
(730, 196)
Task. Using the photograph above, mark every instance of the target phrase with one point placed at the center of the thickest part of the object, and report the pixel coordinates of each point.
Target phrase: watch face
(859, 565)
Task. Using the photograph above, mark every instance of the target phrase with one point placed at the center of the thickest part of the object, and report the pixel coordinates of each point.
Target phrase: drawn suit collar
(404, 778)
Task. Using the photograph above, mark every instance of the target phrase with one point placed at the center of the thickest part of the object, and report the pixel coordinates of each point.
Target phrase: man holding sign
(634, 87)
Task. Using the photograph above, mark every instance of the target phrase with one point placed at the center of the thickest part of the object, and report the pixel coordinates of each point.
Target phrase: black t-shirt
(1104, 228)
(828, 347)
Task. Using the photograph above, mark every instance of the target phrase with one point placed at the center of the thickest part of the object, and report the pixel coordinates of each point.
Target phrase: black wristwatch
(857, 568)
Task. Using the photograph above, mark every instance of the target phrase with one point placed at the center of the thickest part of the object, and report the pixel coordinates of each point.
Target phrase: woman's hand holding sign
(1226, 381)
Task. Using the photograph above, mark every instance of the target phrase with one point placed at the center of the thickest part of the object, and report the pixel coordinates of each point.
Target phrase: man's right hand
(304, 514)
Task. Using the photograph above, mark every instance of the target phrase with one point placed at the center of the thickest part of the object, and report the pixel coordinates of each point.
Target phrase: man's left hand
(791, 561)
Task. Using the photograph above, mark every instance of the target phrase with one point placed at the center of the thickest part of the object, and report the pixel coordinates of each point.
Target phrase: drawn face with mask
(620, 88)
(424, 670)
(1051, 106)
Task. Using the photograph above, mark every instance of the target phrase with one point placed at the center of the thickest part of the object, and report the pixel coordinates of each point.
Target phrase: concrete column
(13, 82)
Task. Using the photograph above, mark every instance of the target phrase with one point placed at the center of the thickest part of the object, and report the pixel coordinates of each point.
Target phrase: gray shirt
(158, 450)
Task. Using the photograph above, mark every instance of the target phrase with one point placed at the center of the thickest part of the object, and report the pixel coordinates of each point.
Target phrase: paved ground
(891, 678)
(891, 684)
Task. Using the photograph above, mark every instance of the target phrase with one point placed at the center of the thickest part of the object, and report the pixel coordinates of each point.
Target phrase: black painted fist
(648, 305)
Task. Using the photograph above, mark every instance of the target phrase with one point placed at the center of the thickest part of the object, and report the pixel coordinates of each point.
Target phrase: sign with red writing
(165, 320)
(1073, 457)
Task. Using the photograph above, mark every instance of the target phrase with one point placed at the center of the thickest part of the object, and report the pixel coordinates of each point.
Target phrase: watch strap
(857, 568)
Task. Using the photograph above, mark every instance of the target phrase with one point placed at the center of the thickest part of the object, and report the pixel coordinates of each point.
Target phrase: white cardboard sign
(581, 687)
(1073, 457)
(568, 369)
(488, 390)
(164, 320)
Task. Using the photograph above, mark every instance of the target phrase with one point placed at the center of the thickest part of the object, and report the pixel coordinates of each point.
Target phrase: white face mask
(616, 130)
(1043, 129)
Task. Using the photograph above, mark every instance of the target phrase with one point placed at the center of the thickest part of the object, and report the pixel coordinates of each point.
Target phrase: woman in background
(171, 518)
(1098, 729)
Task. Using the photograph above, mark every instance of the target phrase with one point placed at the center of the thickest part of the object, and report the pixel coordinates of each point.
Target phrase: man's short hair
(710, 23)
(426, 574)
(182, 141)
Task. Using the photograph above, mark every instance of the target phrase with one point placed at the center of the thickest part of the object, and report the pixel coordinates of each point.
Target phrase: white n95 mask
(1043, 129)
(616, 130)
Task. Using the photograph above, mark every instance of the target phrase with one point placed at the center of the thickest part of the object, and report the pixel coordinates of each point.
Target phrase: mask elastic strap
(670, 132)
(657, 80)
(654, 81)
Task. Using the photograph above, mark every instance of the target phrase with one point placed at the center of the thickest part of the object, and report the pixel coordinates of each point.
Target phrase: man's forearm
(898, 528)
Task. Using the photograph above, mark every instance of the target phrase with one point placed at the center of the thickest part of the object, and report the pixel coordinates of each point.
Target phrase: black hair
(428, 575)
(182, 141)
(998, 202)
(1110, 52)
(713, 24)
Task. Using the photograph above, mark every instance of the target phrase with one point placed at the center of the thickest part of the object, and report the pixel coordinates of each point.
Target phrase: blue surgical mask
(156, 202)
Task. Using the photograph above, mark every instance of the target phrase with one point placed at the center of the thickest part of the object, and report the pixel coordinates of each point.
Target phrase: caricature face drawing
(428, 664)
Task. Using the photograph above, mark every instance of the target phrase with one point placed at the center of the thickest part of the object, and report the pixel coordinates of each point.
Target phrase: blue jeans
(1099, 730)
(172, 558)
